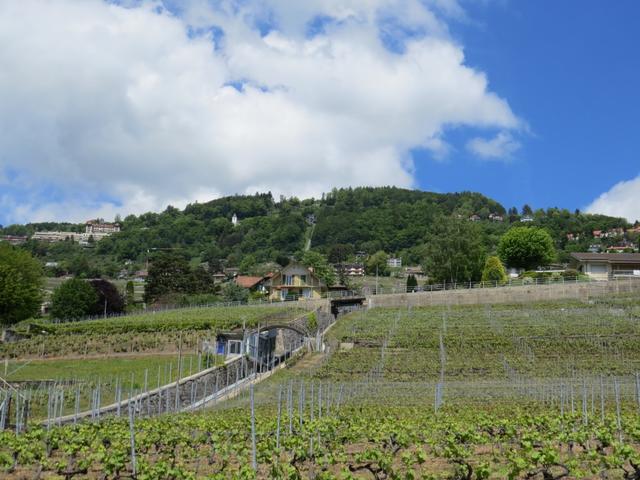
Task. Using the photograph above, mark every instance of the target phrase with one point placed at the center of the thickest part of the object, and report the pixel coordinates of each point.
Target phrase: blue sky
(125, 106)
(572, 71)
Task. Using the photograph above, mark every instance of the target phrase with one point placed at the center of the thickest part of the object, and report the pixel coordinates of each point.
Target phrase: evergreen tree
(412, 283)
(494, 271)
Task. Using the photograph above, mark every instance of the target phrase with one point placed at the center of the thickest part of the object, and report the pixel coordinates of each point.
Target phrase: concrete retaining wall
(505, 295)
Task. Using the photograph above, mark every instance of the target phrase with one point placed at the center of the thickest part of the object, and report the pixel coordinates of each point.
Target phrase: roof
(608, 257)
(248, 282)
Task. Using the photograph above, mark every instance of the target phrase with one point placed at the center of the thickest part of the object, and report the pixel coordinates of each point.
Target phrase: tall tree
(455, 251)
(109, 300)
(168, 273)
(73, 300)
(20, 285)
(377, 264)
(321, 268)
(526, 247)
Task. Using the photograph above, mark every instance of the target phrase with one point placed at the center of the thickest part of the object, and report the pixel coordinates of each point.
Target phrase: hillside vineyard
(533, 390)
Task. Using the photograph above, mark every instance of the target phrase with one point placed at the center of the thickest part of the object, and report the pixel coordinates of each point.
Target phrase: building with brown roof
(255, 284)
(607, 266)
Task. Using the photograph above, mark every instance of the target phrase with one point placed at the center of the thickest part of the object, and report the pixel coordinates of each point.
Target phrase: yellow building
(293, 282)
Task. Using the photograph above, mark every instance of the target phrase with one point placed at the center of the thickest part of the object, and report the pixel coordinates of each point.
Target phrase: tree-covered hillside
(342, 223)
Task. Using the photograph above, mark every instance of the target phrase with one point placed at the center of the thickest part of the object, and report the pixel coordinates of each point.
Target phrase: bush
(73, 300)
(494, 271)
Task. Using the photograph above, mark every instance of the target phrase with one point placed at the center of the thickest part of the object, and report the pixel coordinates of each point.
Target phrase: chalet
(527, 219)
(349, 269)
(606, 266)
(495, 217)
(293, 282)
(475, 218)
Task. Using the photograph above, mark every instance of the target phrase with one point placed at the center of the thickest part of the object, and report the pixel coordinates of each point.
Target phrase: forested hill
(395, 220)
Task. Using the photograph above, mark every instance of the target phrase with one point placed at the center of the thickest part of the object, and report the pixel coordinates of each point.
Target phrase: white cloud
(121, 110)
(622, 200)
(500, 147)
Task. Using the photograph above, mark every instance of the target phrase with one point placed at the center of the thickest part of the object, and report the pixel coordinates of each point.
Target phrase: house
(254, 284)
(261, 347)
(415, 271)
(615, 232)
(597, 234)
(293, 282)
(527, 219)
(56, 236)
(394, 262)
(475, 218)
(349, 269)
(495, 217)
(14, 239)
(141, 275)
(634, 229)
(606, 266)
(594, 248)
(101, 229)
(218, 277)
(573, 237)
(620, 249)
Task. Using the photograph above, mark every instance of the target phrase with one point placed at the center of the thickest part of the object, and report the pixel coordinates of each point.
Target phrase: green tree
(526, 247)
(455, 251)
(109, 299)
(247, 264)
(73, 300)
(377, 264)
(494, 271)
(339, 253)
(168, 273)
(232, 292)
(20, 285)
(130, 293)
(320, 266)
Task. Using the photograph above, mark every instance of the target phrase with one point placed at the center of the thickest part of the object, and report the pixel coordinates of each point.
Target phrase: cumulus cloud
(622, 200)
(500, 147)
(126, 108)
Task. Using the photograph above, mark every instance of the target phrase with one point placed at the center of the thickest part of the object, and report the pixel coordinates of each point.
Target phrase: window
(235, 347)
(306, 293)
(288, 279)
(303, 279)
(283, 294)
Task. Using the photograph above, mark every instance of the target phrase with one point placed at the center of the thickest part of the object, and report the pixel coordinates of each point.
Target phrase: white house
(606, 266)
